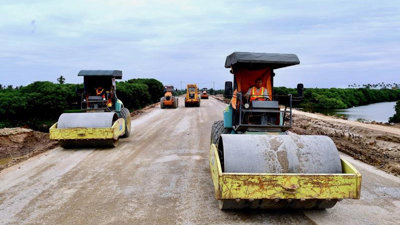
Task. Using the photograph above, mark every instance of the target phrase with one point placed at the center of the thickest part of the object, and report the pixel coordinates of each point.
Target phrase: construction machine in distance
(169, 99)
(256, 162)
(104, 120)
(204, 93)
(192, 97)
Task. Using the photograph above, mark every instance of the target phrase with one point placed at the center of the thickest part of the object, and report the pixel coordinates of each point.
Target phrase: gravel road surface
(160, 175)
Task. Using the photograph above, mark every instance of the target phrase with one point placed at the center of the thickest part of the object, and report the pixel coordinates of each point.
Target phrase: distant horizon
(184, 85)
(338, 42)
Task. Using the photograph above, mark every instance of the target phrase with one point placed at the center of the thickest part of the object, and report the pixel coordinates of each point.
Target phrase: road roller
(204, 93)
(256, 162)
(103, 119)
(192, 97)
(169, 100)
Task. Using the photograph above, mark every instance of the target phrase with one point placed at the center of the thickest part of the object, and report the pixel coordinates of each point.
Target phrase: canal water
(379, 112)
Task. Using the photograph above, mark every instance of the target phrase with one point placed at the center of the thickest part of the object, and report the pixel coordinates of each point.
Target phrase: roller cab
(256, 162)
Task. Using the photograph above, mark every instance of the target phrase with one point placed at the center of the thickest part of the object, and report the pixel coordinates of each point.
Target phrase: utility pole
(213, 85)
(181, 85)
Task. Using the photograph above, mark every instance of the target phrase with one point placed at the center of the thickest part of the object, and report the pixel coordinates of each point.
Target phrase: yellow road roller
(104, 120)
(256, 162)
(192, 97)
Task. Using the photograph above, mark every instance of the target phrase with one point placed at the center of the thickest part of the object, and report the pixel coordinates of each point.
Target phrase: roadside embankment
(18, 144)
(374, 144)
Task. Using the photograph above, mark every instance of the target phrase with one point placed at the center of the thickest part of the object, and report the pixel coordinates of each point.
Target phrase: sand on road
(160, 175)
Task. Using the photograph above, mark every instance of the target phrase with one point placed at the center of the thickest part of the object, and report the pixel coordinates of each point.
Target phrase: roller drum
(87, 120)
(251, 153)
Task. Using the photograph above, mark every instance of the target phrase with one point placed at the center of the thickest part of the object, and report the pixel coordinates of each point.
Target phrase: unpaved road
(160, 175)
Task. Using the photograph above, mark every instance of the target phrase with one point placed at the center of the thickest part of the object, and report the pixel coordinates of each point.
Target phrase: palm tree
(61, 80)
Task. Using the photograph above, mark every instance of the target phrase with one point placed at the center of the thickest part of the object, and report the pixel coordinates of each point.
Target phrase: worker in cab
(100, 91)
(257, 92)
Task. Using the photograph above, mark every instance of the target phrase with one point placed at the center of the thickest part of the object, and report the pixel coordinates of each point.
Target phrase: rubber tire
(216, 130)
(127, 117)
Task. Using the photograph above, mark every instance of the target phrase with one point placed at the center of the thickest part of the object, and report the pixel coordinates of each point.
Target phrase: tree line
(381, 85)
(396, 117)
(38, 105)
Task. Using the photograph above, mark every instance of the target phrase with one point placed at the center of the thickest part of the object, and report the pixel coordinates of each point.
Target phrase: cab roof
(117, 74)
(273, 60)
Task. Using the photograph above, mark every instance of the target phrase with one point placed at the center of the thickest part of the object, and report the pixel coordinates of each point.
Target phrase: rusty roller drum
(291, 153)
(280, 154)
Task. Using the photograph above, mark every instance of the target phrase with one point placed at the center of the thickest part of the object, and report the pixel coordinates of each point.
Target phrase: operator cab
(261, 112)
(192, 91)
(99, 89)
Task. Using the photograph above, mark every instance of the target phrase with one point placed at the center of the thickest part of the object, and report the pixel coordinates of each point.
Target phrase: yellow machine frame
(284, 186)
(117, 130)
(196, 93)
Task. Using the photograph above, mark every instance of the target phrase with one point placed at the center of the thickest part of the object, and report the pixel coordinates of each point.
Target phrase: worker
(257, 92)
(110, 97)
(99, 91)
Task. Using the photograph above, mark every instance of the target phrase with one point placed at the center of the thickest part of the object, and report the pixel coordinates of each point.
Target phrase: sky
(179, 42)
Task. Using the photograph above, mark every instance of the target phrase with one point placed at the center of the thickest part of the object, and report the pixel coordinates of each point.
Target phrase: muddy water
(379, 112)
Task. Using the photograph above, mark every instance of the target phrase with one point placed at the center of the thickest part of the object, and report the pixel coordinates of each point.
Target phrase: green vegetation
(340, 98)
(215, 92)
(396, 117)
(39, 104)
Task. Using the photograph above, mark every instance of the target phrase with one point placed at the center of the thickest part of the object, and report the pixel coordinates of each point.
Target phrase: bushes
(396, 117)
(36, 104)
(133, 95)
(39, 104)
(155, 88)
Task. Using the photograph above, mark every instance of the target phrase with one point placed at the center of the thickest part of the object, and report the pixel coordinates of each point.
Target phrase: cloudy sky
(338, 42)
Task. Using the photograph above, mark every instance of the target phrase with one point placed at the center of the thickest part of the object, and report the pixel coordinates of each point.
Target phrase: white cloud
(180, 40)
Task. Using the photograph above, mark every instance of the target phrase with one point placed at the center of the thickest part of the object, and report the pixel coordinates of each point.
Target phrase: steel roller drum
(252, 153)
(87, 120)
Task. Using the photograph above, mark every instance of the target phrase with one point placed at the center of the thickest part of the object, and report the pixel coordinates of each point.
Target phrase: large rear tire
(216, 130)
(127, 117)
